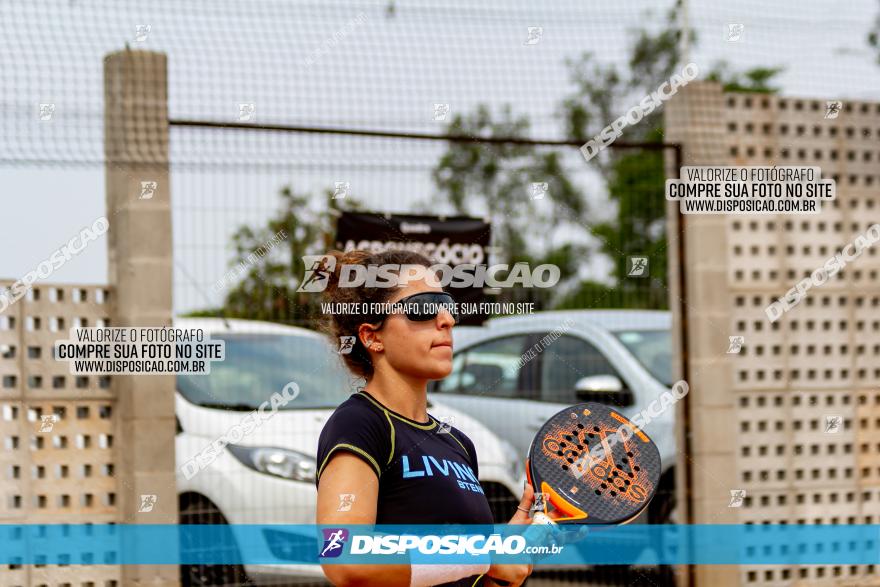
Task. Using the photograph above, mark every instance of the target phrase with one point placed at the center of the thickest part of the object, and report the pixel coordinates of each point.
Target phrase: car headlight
(278, 462)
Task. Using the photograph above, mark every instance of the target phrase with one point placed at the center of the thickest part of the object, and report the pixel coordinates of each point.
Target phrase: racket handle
(538, 536)
(540, 517)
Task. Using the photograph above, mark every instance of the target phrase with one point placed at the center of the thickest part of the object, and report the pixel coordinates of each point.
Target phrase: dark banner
(448, 240)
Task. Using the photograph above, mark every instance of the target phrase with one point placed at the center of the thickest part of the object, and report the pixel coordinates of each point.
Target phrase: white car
(513, 383)
(267, 476)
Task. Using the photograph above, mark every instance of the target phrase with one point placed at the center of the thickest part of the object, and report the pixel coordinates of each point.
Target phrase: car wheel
(201, 511)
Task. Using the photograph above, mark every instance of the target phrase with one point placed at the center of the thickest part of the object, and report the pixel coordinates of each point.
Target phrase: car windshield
(258, 365)
(653, 349)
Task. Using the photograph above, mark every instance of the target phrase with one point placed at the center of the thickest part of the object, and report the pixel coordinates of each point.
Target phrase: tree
(754, 80)
(267, 291)
(481, 178)
(874, 36)
(636, 177)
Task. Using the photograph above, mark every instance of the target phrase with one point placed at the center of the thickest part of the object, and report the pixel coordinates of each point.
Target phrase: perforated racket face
(591, 473)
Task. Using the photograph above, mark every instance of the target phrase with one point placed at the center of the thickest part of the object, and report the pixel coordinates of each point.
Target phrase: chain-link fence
(231, 139)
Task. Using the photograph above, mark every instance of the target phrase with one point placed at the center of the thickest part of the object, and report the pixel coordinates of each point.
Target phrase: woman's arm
(514, 574)
(346, 473)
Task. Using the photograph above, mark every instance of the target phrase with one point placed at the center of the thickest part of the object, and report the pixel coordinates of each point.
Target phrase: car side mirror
(604, 389)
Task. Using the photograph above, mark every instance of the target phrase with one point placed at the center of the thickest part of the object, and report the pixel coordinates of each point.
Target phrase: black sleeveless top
(426, 476)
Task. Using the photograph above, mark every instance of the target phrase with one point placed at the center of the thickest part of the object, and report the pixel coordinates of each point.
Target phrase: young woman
(373, 445)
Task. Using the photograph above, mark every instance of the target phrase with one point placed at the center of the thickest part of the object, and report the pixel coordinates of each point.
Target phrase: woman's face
(422, 350)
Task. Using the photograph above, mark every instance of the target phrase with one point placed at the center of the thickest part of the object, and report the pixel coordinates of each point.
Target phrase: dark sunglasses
(424, 306)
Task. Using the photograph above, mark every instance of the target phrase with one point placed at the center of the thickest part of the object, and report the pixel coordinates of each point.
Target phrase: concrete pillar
(694, 119)
(140, 272)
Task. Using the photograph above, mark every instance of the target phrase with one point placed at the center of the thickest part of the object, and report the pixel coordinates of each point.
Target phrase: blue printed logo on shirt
(430, 466)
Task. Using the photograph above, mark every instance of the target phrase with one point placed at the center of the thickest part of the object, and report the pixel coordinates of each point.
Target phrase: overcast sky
(386, 71)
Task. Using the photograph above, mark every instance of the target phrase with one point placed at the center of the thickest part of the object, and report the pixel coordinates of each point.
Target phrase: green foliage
(755, 80)
(635, 177)
(874, 36)
(267, 290)
(636, 186)
(481, 178)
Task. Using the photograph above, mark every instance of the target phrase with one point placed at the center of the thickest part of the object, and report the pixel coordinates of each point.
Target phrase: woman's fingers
(528, 495)
(525, 503)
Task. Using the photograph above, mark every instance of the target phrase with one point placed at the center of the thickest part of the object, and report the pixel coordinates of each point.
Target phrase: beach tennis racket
(588, 470)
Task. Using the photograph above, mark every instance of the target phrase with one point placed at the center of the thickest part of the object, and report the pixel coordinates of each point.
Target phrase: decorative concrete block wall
(60, 457)
(758, 420)
(112, 439)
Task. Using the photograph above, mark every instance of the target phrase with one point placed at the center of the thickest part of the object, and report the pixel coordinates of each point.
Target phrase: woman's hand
(514, 575)
(528, 498)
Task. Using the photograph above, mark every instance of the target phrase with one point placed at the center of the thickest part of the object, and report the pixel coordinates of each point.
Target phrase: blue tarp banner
(85, 544)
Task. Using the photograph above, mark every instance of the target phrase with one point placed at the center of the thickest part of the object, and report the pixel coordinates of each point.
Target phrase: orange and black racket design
(590, 473)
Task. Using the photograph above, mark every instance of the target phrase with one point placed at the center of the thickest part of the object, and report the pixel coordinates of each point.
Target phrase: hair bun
(356, 257)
